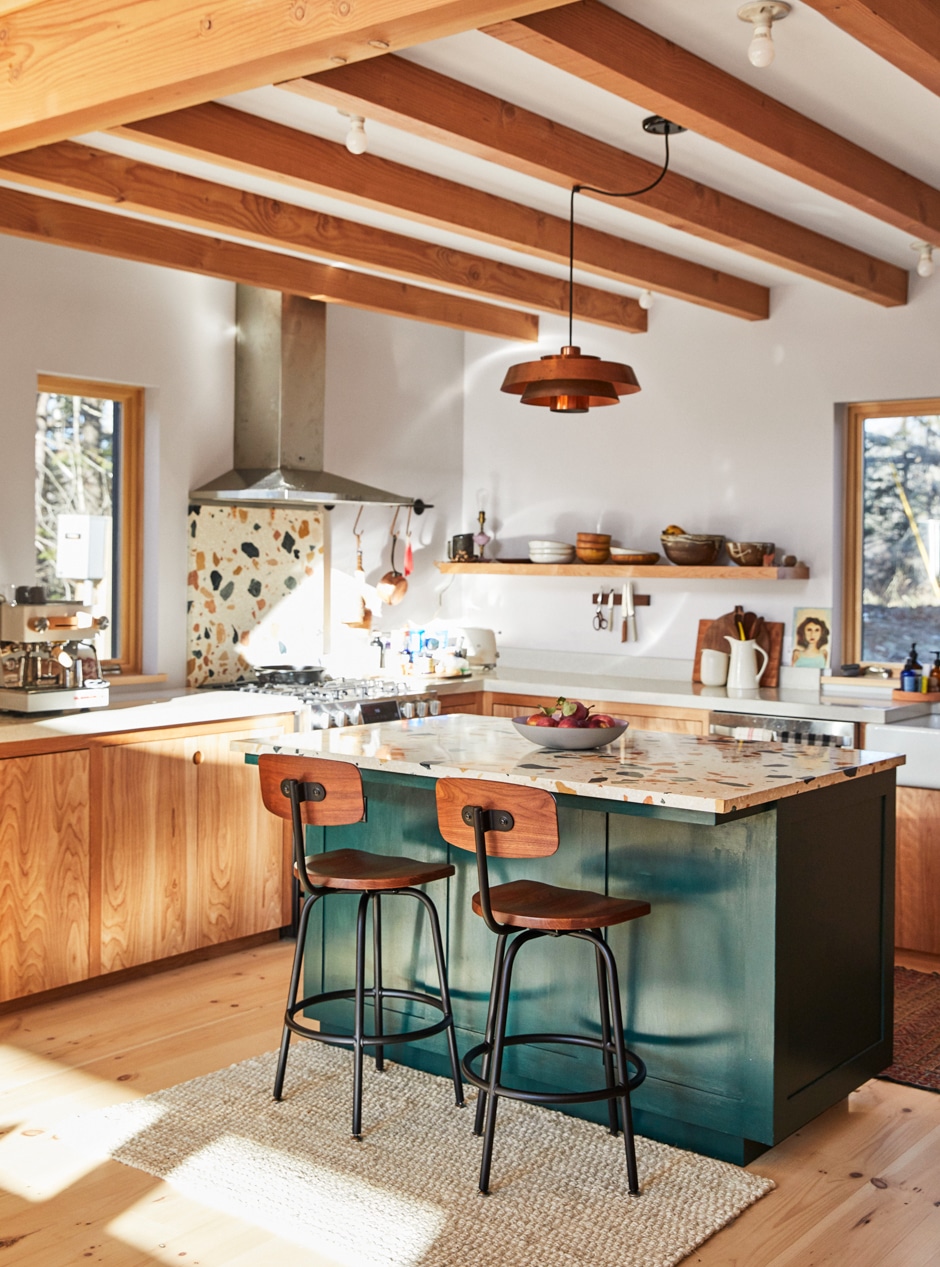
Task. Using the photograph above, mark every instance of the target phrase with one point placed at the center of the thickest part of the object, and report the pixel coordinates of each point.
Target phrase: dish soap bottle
(933, 682)
(910, 674)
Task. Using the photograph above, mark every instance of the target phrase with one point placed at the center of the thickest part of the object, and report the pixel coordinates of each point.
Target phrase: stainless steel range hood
(280, 385)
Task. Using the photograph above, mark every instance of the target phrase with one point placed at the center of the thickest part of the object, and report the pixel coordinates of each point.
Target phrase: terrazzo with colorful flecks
(255, 590)
(704, 773)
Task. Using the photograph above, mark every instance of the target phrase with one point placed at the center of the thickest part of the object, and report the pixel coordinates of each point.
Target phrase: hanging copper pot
(393, 587)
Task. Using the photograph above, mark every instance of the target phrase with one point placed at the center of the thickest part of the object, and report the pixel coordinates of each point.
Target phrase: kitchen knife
(610, 610)
(623, 613)
(631, 611)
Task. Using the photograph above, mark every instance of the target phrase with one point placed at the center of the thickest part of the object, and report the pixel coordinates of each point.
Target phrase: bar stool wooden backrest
(310, 791)
(503, 820)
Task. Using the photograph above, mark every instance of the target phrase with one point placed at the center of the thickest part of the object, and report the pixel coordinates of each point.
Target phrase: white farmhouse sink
(919, 740)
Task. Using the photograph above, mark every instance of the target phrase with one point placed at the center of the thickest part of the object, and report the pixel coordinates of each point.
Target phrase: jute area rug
(407, 1193)
(916, 1029)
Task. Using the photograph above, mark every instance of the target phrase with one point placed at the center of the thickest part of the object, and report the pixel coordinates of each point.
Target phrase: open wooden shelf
(655, 571)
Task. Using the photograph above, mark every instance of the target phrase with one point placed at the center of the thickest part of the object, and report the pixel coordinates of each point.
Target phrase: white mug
(714, 668)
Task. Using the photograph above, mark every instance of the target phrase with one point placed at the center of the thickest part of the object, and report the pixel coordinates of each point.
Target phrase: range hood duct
(280, 389)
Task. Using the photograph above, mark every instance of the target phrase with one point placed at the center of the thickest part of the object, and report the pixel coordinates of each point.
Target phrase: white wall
(73, 313)
(732, 432)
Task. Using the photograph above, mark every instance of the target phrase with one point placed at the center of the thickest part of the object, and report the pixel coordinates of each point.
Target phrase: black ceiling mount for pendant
(573, 382)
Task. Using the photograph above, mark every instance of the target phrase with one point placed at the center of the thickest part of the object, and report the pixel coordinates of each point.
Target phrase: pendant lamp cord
(606, 193)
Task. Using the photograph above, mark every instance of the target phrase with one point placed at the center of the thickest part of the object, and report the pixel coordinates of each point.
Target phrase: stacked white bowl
(551, 552)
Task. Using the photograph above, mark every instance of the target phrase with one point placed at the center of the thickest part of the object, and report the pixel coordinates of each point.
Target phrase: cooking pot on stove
(289, 675)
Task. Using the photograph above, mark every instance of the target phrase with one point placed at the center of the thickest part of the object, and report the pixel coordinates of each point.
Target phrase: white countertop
(142, 711)
(691, 772)
(779, 701)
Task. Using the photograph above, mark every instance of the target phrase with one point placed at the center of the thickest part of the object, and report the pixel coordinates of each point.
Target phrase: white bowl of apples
(569, 725)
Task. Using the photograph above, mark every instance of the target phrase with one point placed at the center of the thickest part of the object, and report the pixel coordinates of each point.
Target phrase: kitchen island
(759, 990)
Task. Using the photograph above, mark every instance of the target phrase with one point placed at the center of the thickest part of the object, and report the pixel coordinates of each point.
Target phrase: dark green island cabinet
(759, 990)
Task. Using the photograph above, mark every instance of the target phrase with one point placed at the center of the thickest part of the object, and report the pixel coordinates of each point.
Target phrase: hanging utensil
(409, 564)
(365, 615)
(600, 620)
(393, 586)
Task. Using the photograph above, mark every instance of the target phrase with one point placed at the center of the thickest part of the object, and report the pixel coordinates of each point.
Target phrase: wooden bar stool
(508, 821)
(310, 790)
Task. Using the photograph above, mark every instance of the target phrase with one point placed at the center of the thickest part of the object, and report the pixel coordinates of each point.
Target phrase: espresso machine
(48, 660)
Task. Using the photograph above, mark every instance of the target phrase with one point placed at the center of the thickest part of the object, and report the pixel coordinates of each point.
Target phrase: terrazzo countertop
(702, 773)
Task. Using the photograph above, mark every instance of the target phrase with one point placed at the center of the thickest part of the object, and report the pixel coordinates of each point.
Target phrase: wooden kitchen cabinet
(917, 884)
(465, 702)
(685, 721)
(44, 872)
(189, 855)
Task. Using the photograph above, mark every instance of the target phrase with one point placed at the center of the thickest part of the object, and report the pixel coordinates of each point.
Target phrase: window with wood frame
(891, 585)
(89, 479)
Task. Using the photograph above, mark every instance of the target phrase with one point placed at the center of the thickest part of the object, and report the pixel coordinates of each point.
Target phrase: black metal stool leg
(605, 1033)
(496, 1067)
(488, 1031)
(445, 992)
(377, 977)
(359, 1022)
(294, 987)
(622, 1067)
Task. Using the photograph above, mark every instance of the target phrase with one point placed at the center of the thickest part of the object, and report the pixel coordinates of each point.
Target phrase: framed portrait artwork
(812, 637)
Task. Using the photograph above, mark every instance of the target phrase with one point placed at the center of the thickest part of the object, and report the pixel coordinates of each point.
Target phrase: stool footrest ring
(367, 1040)
(554, 1097)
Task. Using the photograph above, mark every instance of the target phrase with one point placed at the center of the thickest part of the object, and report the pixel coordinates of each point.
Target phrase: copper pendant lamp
(574, 382)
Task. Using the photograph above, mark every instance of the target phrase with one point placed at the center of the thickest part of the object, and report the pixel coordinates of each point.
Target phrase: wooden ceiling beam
(235, 139)
(905, 33)
(69, 66)
(127, 185)
(422, 101)
(595, 43)
(87, 229)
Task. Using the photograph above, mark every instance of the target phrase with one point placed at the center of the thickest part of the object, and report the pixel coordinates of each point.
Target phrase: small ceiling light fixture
(572, 382)
(925, 264)
(645, 300)
(762, 14)
(356, 140)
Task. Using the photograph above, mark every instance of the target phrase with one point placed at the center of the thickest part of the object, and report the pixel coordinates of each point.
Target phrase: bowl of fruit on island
(570, 725)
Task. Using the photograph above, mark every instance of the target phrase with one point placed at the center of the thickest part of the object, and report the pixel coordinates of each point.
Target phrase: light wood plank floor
(858, 1187)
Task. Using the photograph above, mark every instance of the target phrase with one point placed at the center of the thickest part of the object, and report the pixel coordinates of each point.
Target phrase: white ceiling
(818, 70)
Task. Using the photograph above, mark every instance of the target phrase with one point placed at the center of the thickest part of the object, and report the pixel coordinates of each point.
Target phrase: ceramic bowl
(638, 558)
(749, 554)
(551, 552)
(569, 738)
(692, 549)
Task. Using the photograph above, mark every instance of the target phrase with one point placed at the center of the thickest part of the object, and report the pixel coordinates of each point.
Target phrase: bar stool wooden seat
(314, 791)
(509, 821)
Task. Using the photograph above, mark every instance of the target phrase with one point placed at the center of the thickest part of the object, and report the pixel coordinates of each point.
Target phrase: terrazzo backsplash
(255, 590)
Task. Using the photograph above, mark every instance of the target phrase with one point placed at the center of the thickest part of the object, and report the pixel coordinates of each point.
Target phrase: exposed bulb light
(762, 14)
(356, 140)
(925, 264)
(646, 300)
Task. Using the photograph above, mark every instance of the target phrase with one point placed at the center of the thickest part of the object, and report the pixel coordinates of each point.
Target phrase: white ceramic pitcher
(743, 673)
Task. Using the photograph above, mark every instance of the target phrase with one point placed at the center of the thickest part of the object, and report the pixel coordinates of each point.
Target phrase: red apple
(569, 723)
(601, 719)
(540, 719)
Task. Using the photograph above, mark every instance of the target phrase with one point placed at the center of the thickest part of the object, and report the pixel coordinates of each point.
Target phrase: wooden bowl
(592, 554)
(593, 538)
(749, 554)
(692, 549)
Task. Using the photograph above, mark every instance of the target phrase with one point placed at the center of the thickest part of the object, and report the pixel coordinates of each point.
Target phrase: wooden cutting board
(769, 635)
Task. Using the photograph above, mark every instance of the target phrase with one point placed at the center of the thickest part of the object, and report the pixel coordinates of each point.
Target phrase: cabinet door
(148, 852)
(241, 853)
(917, 909)
(472, 702)
(43, 872)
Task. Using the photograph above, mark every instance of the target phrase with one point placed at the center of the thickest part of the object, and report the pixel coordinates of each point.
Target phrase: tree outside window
(892, 572)
(88, 463)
